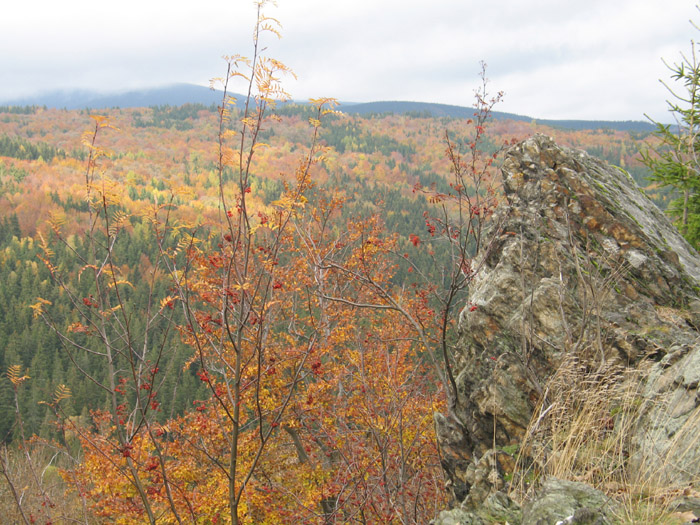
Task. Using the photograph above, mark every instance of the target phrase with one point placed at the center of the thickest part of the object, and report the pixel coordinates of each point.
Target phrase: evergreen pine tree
(13, 229)
(674, 162)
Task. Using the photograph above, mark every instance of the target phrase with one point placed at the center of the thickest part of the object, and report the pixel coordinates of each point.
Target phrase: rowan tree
(322, 370)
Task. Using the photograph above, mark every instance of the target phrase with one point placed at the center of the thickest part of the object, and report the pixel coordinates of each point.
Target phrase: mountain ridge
(179, 94)
(447, 110)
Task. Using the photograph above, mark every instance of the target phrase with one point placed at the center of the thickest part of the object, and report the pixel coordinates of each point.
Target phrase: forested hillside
(158, 146)
(105, 219)
(162, 153)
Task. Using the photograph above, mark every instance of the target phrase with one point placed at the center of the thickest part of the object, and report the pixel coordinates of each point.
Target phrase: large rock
(557, 502)
(666, 442)
(586, 267)
(569, 503)
(497, 508)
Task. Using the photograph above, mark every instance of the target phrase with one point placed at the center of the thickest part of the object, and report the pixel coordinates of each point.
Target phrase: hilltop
(179, 94)
(426, 109)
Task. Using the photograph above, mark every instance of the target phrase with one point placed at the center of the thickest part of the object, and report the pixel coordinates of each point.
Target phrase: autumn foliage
(321, 367)
(321, 398)
(320, 392)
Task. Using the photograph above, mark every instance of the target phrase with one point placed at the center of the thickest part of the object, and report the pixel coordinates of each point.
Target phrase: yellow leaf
(249, 122)
(62, 392)
(99, 119)
(102, 121)
(120, 281)
(167, 302)
(13, 374)
(80, 272)
(78, 328)
(38, 307)
(57, 219)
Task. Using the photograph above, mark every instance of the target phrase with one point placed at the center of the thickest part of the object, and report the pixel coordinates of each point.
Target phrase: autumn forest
(241, 313)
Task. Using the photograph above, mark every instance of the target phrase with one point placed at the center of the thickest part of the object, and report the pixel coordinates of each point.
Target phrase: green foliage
(20, 110)
(70, 202)
(9, 228)
(20, 148)
(305, 111)
(348, 136)
(674, 161)
(29, 342)
(12, 173)
(178, 117)
(511, 450)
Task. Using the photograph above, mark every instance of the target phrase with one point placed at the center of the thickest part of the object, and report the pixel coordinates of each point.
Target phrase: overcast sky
(576, 59)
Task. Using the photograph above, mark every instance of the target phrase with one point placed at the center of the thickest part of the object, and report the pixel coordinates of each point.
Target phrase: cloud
(553, 58)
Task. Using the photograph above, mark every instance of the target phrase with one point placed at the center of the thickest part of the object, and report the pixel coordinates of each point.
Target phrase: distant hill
(173, 95)
(179, 94)
(427, 109)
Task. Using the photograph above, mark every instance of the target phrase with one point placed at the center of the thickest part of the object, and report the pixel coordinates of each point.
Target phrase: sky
(553, 59)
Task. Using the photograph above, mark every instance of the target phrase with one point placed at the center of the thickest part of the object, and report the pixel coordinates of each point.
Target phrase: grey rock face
(568, 502)
(666, 444)
(457, 517)
(584, 265)
(497, 508)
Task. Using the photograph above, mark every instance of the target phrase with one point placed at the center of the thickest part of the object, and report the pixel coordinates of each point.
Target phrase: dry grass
(47, 501)
(583, 430)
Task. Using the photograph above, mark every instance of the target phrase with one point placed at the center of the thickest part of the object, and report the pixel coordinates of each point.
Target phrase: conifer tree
(674, 161)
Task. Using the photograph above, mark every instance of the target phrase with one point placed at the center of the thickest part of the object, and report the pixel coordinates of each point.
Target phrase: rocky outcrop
(568, 502)
(583, 268)
(557, 502)
(666, 444)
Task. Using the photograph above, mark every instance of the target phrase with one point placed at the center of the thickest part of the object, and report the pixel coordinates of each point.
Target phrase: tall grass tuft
(587, 428)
